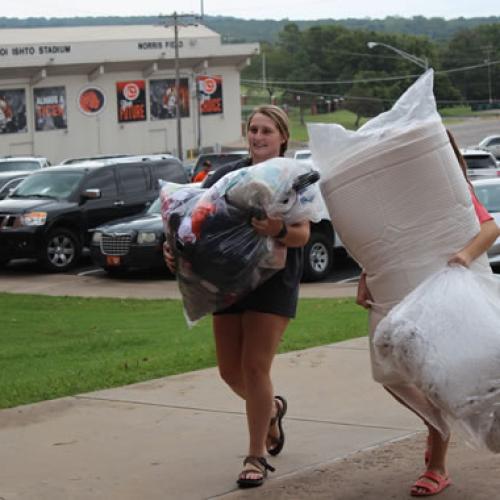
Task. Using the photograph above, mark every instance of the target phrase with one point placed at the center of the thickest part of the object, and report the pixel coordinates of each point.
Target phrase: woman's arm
(291, 235)
(363, 297)
(487, 235)
(169, 258)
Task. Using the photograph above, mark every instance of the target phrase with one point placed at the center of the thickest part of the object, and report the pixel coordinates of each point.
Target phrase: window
(171, 172)
(489, 196)
(103, 179)
(480, 161)
(133, 179)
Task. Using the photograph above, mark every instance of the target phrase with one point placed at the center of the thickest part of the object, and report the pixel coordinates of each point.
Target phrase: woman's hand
(461, 258)
(269, 226)
(169, 258)
(364, 297)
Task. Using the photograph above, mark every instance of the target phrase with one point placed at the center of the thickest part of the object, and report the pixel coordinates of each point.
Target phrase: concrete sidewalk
(183, 437)
(100, 285)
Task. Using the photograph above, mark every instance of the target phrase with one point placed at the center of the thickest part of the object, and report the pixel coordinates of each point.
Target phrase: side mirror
(91, 194)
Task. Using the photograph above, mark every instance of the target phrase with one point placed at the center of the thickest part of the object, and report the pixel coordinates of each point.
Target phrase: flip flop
(436, 484)
(277, 443)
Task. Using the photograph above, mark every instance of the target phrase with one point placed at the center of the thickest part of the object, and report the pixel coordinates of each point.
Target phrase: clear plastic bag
(219, 256)
(444, 337)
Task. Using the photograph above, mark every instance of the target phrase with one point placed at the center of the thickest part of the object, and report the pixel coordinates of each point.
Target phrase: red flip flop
(436, 484)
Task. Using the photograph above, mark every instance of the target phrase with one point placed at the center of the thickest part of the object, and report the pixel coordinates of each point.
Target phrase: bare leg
(228, 334)
(246, 345)
(437, 444)
(262, 334)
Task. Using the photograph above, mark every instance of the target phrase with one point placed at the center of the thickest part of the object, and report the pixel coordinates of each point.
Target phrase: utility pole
(177, 88)
(175, 17)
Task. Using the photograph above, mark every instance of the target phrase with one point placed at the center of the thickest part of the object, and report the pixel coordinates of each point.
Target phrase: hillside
(243, 30)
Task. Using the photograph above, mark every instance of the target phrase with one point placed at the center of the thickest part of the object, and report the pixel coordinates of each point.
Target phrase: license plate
(113, 260)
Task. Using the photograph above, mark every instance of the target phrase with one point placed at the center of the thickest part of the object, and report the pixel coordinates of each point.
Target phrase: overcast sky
(257, 9)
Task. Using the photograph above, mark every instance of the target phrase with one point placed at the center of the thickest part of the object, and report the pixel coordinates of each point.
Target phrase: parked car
(22, 163)
(14, 169)
(217, 160)
(491, 144)
(132, 243)
(49, 215)
(80, 159)
(480, 163)
(488, 193)
(302, 154)
(114, 158)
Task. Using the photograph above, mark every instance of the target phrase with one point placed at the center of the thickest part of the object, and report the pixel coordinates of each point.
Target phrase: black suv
(49, 215)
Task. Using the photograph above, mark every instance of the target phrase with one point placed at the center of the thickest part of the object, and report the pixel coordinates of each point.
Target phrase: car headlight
(33, 218)
(144, 238)
(96, 237)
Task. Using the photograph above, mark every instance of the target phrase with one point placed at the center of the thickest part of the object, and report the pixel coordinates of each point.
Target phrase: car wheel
(318, 257)
(62, 250)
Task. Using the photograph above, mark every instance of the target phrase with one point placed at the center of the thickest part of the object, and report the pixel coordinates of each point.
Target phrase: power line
(369, 80)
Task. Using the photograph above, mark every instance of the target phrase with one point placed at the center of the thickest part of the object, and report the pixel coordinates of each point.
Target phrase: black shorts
(272, 297)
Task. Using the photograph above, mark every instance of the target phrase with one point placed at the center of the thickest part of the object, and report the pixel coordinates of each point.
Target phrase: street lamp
(419, 61)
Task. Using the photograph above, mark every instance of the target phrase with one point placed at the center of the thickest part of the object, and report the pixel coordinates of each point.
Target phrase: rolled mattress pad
(397, 198)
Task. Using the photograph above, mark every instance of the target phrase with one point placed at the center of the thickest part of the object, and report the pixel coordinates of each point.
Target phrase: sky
(257, 9)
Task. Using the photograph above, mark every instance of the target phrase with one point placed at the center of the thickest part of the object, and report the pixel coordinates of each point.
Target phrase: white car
(480, 163)
(488, 193)
(22, 163)
(302, 154)
(491, 144)
(14, 169)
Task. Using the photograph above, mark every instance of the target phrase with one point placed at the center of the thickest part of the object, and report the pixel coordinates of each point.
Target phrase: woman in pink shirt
(435, 478)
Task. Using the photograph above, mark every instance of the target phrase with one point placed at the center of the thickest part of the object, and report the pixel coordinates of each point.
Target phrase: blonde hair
(278, 117)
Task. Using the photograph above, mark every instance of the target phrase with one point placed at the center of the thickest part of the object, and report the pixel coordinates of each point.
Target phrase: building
(81, 91)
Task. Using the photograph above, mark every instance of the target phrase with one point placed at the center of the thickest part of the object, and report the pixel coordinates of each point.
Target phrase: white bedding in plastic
(444, 337)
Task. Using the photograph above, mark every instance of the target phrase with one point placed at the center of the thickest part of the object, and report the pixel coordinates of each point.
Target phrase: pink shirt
(481, 212)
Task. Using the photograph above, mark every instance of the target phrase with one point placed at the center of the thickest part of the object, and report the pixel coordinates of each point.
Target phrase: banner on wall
(131, 97)
(12, 111)
(50, 108)
(210, 89)
(91, 100)
(163, 98)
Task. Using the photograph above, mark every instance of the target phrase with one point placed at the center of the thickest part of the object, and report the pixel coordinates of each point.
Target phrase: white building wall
(103, 133)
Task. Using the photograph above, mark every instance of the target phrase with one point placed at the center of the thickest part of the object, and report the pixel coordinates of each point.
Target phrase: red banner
(210, 90)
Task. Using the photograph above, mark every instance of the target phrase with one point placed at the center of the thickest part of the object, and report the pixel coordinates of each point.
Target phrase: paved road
(472, 130)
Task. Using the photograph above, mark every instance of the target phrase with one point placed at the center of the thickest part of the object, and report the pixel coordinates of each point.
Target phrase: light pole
(419, 61)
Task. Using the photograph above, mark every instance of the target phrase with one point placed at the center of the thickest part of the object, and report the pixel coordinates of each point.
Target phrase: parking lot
(467, 132)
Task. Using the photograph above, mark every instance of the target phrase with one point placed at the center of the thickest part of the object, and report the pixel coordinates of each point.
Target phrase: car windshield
(18, 165)
(155, 207)
(480, 161)
(48, 185)
(489, 196)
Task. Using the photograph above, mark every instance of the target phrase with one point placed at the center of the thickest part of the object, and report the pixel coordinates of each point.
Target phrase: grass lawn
(348, 119)
(343, 117)
(60, 346)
